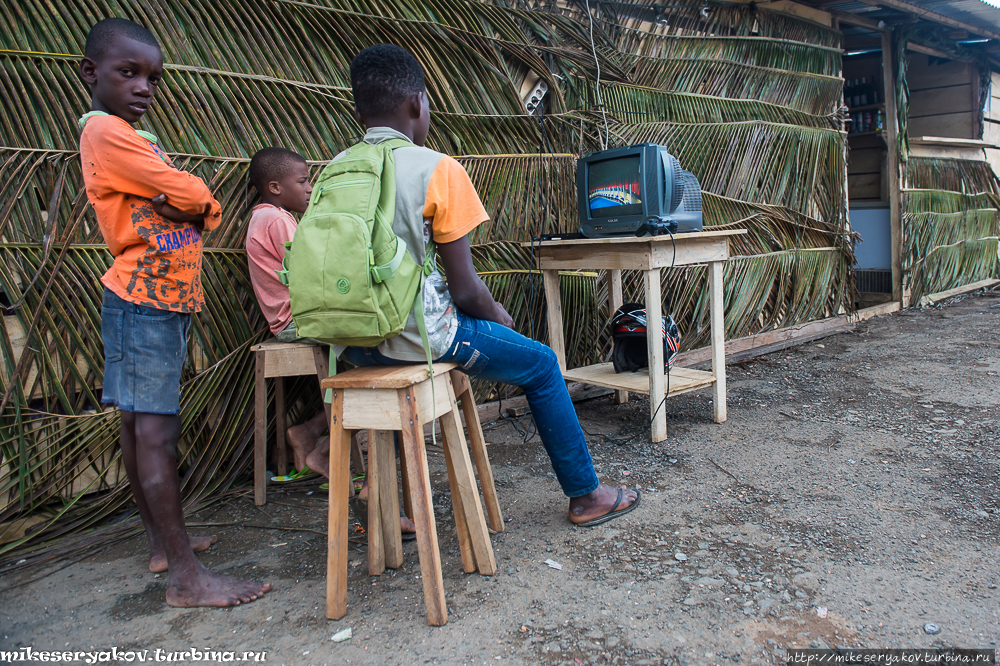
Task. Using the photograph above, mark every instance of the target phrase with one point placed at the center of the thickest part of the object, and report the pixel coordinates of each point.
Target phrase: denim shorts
(144, 353)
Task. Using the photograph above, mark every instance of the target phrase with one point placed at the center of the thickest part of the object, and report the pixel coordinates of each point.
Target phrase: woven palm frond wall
(745, 98)
(951, 222)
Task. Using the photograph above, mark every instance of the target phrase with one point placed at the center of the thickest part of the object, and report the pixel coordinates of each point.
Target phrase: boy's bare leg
(302, 438)
(190, 584)
(157, 557)
(318, 459)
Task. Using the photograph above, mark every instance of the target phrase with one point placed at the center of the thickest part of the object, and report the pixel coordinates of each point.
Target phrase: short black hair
(270, 164)
(105, 32)
(382, 77)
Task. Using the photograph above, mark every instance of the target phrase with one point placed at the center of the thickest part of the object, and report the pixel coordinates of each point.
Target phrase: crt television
(636, 190)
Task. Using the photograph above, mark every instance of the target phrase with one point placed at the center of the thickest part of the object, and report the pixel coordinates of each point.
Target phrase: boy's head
(123, 65)
(281, 178)
(389, 90)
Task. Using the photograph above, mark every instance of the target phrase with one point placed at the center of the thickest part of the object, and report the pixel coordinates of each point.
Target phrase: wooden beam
(856, 19)
(931, 299)
(926, 50)
(892, 167)
(932, 16)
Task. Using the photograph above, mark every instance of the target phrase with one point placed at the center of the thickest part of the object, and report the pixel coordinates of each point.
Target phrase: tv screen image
(638, 189)
(615, 187)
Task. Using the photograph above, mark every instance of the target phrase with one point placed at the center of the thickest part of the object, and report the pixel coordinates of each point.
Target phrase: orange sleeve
(141, 172)
(452, 204)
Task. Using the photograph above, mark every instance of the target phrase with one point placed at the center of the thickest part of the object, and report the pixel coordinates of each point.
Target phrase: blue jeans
(489, 351)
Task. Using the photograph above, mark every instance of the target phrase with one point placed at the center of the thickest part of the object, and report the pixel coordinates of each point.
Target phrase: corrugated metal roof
(976, 13)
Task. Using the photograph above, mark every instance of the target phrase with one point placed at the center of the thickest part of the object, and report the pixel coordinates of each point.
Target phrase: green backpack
(350, 279)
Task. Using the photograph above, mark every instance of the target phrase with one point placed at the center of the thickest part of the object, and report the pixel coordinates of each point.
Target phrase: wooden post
(553, 307)
(340, 478)
(259, 432)
(716, 297)
(616, 301)
(654, 354)
(899, 294)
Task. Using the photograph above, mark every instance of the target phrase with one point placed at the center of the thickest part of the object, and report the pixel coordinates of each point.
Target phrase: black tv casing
(676, 193)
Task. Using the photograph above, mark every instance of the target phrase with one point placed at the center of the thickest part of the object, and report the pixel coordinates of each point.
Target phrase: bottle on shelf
(863, 94)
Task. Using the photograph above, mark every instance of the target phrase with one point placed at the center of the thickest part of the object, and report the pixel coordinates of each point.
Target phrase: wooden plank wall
(944, 96)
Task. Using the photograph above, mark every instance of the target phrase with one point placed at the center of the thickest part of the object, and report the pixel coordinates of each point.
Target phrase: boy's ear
(357, 116)
(88, 71)
(414, 105)
(274, 187)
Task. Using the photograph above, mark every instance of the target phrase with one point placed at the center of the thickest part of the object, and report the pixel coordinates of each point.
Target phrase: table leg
(553, 305)
(654, 352)
(616, 301)
(718, 339)
(340, 477)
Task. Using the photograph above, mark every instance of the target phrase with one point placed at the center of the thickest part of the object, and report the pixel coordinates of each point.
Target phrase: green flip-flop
(295, 475)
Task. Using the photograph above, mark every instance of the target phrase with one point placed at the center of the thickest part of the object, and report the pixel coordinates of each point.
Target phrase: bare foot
(205, 588)
(406, 526)
(319, 459)
(599, 502)
(302, 441)
(158, 560)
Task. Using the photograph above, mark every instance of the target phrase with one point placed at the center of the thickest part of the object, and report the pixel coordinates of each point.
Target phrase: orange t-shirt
(452, 204)
(157, 261)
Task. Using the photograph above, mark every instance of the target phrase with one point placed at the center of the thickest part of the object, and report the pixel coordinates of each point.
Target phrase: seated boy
(435, 199)
(151, 216)
(281, 177)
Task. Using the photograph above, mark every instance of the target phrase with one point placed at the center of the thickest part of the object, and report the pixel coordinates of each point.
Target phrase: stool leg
(388, 491)
(477, 444)
(357, 457)
(457, 454)
(405, 477)
(458, 510)
(423, 512)
(280, 424)
(340, 477)
(376, 551)
(259, 432)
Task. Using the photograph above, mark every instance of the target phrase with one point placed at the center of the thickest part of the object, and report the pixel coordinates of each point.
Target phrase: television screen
(615, 187)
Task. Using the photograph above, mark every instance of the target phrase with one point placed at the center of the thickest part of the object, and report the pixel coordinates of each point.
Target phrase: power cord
(600, 100)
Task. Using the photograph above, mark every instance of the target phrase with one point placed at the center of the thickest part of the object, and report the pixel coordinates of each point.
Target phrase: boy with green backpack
(377, 215)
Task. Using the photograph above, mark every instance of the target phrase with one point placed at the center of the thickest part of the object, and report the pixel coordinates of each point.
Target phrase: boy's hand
(162, 208)
(502, 317)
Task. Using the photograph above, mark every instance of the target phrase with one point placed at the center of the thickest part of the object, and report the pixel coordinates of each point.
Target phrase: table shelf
(682, 380)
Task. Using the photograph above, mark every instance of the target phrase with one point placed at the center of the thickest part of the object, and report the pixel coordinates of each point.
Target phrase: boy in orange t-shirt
(151, 216)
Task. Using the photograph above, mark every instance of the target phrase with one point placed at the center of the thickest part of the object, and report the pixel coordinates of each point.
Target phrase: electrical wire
(600, 100)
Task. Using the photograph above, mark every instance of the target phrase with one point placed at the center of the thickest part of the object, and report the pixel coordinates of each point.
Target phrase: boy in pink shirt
(282, 178)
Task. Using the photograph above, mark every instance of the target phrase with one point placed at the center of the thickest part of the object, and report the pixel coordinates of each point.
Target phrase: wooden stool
(279, 360)
(398, 398)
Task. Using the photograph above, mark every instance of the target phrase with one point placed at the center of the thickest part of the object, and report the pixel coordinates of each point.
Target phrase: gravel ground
(850, 499)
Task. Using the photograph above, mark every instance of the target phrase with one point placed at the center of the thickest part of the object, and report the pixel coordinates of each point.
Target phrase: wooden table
(647, 254)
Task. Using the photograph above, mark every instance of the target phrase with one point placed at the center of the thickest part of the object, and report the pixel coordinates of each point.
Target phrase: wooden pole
(899, 294)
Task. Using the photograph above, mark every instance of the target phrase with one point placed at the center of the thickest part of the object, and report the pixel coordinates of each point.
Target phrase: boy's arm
(131, 167)
(468, 291)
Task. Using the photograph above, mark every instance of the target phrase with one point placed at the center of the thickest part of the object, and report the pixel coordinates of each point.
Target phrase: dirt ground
(850, 499)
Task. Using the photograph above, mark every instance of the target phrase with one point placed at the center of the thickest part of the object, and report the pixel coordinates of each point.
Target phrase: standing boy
(435, 200)
(151, 216)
